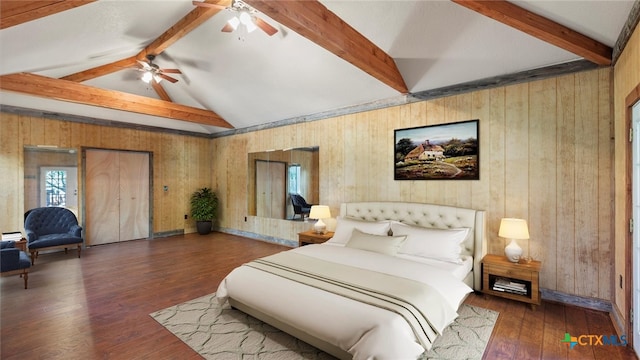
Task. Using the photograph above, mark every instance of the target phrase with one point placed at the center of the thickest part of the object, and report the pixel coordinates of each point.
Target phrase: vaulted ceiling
(77, 59)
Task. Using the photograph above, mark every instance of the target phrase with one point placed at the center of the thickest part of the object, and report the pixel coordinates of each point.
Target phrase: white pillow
(439, 244)
(345, 226)
(383, 244)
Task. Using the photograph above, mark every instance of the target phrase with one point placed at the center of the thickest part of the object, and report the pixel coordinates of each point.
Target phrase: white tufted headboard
(431, 216)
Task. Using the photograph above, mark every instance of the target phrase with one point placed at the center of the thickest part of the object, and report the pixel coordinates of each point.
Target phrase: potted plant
(204, 205)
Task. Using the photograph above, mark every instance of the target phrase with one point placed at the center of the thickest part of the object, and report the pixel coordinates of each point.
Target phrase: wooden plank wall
(626, 78)
(183, 163)
(546, 154)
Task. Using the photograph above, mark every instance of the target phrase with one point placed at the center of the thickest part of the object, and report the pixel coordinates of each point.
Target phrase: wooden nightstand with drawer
(310, 237)
(516, 281)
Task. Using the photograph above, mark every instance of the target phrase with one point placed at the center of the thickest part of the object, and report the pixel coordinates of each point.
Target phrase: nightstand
(310, 237)
(516, 281)
(22, 244)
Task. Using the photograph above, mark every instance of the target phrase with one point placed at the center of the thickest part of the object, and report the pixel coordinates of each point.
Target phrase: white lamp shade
(319, 212)
(511, 228)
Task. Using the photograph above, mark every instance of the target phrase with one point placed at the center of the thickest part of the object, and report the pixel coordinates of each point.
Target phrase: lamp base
(319, 227)
(513, 251)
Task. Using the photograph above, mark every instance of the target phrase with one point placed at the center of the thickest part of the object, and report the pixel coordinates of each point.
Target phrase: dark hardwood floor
(98, 307)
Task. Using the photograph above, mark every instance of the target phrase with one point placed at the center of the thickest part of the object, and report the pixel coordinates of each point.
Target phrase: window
(58, 186)
(294, 179)
(55, 188)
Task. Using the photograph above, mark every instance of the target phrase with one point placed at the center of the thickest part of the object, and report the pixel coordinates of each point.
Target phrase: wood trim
(575, 300)
(65, 90)
(632, 98)
(315, 22)
(14, 13)
(542, 28)
(627, 30)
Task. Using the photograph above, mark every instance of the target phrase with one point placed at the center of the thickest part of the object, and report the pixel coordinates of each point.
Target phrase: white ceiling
(253, 79)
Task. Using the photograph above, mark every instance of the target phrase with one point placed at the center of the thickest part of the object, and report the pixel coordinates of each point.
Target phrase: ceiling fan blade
(204, 4)
(168, 78)
(171, 71)
(264, 26)
(227, 28)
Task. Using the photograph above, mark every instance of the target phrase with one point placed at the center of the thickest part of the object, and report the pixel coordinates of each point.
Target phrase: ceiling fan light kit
(151, 71)
(246, 15)
(247, 21)
(147, 76)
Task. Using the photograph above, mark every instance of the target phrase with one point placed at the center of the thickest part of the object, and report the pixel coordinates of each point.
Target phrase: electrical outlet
(245, 219)
(185, 216)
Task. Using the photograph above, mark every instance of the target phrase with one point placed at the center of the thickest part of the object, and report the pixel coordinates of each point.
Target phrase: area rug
(218, 332)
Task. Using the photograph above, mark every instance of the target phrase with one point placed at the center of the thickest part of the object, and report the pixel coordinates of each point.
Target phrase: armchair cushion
(13, 259)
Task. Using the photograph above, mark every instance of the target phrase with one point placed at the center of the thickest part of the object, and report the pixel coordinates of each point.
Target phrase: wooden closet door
(263, 189)
(278, 191)
(271, 184)
(134, 195)
(102, 197)
(117, 196)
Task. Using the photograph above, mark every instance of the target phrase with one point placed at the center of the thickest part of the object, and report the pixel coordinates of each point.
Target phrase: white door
(636, 220)
(59, 187)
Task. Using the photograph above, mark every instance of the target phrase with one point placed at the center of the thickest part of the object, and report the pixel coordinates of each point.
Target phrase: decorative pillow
(383, 244)
(439, 244)
(345, 226)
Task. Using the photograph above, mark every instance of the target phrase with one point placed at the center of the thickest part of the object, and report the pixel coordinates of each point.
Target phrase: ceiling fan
(245, 15)
(151, 71)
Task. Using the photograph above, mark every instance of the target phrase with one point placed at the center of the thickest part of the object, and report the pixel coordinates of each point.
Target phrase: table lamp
(319, 212)
(513, 229)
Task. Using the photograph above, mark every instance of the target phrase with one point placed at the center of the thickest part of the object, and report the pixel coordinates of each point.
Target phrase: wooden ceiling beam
(192, 20)
(17, 12)
(542, 28)
(160, 91)
(64, 90)
(315, 22)
(101, 70)
(189, 22)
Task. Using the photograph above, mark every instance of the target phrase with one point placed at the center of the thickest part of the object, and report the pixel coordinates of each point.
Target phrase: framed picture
(438, 152)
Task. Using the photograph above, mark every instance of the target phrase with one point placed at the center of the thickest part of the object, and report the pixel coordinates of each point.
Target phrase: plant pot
(204, 227)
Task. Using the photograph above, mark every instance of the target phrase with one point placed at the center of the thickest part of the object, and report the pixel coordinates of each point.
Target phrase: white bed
(346, 327)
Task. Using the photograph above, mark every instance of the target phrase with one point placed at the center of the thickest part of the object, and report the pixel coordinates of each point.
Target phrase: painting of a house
(448, 151)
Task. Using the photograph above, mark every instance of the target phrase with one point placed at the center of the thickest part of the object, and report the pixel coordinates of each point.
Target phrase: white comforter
(365, 331)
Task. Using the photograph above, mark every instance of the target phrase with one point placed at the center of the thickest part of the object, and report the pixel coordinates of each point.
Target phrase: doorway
(50, 177)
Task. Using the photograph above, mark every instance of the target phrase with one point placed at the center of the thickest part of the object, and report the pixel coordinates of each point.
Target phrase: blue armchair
(50, 228)
(13, 261)
(300, 206)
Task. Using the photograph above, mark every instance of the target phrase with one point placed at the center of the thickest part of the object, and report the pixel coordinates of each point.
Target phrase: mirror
(275, 175)
(50, 177)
